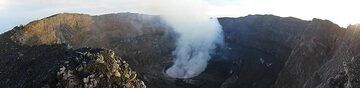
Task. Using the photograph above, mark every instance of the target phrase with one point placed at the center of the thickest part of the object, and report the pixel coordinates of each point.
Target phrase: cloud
(343, 12)
(2, 5)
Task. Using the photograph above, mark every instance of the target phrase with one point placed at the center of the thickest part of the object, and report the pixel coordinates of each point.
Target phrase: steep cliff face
(59, 65)
(316, 44)
(259, 45)
(309, 53)
(335, 73)
(321, 59)
(260, 51)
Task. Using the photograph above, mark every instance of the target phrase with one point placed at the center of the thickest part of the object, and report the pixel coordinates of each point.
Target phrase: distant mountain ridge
(261, 51)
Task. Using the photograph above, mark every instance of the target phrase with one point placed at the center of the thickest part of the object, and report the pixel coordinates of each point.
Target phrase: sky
(342, 12)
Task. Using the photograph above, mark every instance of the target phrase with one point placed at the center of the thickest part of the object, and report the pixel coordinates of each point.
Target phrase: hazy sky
(342, 12)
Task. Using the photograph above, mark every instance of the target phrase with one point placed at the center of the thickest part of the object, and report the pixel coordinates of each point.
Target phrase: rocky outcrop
(346, 78)
(61, 66)
(97, 68)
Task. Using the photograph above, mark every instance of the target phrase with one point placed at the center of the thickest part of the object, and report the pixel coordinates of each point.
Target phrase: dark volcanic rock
(317, 43)
(337, 65)
(259, 45)
(60, 66)
(322, 63)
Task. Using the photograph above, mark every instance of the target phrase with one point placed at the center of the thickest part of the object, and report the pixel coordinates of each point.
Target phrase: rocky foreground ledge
(61, 66)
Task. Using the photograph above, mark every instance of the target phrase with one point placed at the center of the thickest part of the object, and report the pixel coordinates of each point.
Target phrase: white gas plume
(199, 35)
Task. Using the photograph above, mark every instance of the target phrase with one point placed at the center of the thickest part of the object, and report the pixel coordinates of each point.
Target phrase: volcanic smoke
(199, 35)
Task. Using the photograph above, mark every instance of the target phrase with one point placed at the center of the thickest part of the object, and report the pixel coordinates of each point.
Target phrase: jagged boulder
(88, 67)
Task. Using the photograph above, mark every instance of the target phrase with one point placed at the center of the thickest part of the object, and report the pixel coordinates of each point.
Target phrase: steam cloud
(199, 35)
